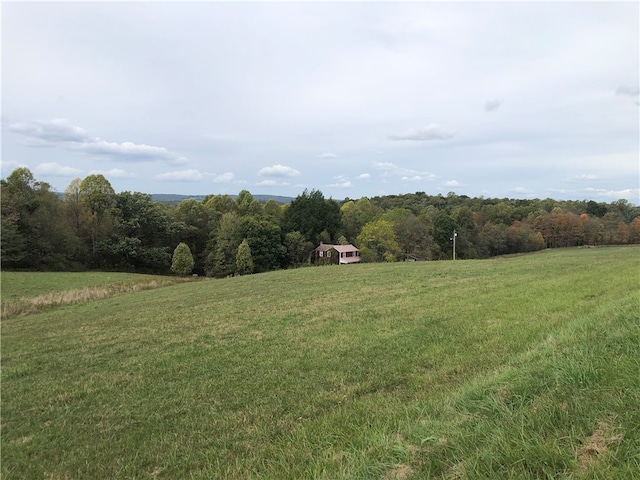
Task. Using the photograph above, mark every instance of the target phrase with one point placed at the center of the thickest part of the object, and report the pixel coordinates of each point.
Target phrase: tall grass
(58, 296)
(522, 367)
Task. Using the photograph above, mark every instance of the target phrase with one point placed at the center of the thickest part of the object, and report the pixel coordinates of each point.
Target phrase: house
(326, 254)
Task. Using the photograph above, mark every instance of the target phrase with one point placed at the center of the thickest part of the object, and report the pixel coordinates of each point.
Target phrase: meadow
(513, 367)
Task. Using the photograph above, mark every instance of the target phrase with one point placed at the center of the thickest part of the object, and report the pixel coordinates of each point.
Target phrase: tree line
(91, 226)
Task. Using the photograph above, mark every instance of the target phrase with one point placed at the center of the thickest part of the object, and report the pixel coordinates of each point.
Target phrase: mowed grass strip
(521, 367)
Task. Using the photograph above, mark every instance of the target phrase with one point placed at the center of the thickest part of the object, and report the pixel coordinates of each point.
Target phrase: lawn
(516, 367)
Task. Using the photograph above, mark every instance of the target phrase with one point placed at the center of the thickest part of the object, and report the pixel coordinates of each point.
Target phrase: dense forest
(92, 227)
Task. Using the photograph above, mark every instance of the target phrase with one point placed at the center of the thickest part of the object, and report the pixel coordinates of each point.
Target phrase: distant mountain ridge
(175, 198)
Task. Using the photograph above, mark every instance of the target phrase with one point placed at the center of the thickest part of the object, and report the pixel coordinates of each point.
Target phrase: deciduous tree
(298, 248)
(244, 260)
(98, 198)
(264, 237)
(377, 242)
(221, 260)
(182, 260)
(310, 213)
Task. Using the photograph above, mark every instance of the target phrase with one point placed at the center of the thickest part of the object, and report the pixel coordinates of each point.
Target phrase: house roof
(345, 248)
(323, 247)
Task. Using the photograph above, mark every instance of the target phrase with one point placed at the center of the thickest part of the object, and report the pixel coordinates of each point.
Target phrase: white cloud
(364, 176)
(125, 149)
(327, 156)
(405, 174)
(278, 171)
(53, 131)
(628, 193)
(586, 176)
(271, 183)
(451, 183)
(6, 165)
(492, 105)
(224, 178)
(114, 172)
(522, 191)
(632, 91)
(61, 133)
(384, 166)
(180, 176)
(54, 169)
(430, 132)
(342, 182)
(345, 184)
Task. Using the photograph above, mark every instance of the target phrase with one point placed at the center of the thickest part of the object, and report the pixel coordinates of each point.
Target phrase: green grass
(519, 367)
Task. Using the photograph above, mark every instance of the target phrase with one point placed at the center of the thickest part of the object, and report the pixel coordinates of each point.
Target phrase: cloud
(384, 166)
(271, 183)
(345, 184)
(180, 176)
(5, 165)
(430, 132)
(224, 178)
(60, 133)
(522, 191)
(628, 193)
(54, 169)
(451, 183)
(127, 149)
(492, 105)
(405, 174)
(53, 131)
(364, 176)
(114, 172)
(278, 171)
(586, 176)
(342, 182)
(632, 91)
(327, 155)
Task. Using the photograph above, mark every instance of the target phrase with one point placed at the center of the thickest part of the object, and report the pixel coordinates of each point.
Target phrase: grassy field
(519, 367)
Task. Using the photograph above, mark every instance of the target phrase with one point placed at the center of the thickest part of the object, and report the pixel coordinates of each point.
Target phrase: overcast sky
(518, 100)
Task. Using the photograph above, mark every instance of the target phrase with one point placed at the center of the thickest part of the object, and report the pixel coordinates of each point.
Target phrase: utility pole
(455, 234)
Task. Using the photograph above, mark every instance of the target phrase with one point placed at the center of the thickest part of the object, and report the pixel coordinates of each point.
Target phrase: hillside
(514, 367)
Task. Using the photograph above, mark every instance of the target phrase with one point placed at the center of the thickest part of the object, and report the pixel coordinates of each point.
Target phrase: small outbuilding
(326, 254)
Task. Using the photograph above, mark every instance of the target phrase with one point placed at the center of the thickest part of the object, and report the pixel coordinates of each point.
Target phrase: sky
(499, 100)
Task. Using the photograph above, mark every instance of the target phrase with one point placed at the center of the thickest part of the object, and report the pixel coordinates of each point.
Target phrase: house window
(321, 253)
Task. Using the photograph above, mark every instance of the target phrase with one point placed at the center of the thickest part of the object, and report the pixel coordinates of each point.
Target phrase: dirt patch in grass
(399, 472)
(455, 472)
(597, 444)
